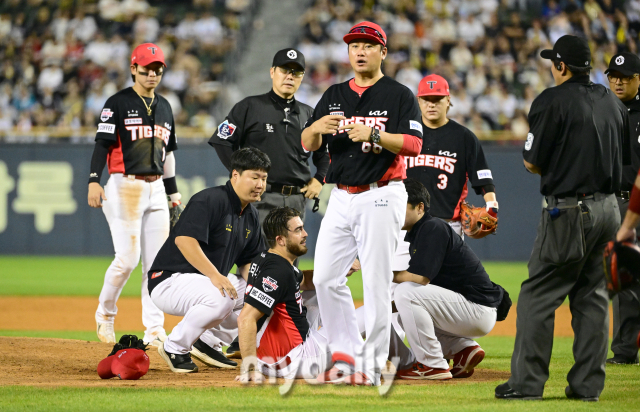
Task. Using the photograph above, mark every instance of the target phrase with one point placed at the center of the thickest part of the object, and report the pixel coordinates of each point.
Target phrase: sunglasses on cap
(370, 31)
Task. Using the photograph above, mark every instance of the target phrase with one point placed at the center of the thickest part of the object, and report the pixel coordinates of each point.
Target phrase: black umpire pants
(626, 313)
(548, 286)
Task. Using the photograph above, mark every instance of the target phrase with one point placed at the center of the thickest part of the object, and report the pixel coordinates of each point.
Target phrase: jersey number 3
(443, 181)
(366, 147)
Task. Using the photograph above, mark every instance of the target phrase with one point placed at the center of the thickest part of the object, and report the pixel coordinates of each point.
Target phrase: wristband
(634, 200)
(170, 185)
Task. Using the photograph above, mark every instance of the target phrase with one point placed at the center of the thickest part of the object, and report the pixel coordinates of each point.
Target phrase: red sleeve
(411, 145)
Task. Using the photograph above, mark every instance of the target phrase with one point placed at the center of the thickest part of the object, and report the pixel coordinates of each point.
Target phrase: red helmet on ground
(433, 85)
(146, 54)
(366, 30)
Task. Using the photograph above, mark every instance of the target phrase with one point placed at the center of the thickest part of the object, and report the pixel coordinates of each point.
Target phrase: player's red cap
(130, 364)
(366, 30)
(433, 85)
(104, 368)
(147, 53)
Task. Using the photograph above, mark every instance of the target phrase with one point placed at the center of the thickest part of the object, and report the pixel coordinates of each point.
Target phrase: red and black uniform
(137, 143)
(450, 155)
(273, 288)
(388, 106)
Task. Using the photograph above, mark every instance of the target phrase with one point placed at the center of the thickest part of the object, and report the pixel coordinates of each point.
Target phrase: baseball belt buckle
(282, 191)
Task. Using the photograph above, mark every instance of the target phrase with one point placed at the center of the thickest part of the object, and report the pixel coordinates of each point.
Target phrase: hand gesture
(328, 124)
(251, 376)
(224, 286)
(626, 234)
(96, 192)
(357, 132)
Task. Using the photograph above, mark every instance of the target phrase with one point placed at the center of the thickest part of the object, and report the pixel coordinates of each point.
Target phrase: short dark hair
(417, 193)
(575, 70)
(250, 158)
(277, 223)
(133, 76)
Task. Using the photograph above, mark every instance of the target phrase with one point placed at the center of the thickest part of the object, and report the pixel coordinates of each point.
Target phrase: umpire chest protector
(388, 106)
(141, 140)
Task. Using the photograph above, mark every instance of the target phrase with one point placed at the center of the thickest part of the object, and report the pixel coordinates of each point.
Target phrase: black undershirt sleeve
(321, 161)
(488, 189)
(224, 154)
(99, 159)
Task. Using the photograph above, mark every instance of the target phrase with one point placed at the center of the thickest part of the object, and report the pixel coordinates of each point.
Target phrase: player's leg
(123, 211)
(154, 232)
(377, 217)
(227, 331)
(335, 253)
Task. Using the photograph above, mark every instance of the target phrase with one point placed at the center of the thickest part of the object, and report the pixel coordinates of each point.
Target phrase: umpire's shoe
(572, 395)
(621, 360)
(178, 363)
(505, 391)
(211, 357)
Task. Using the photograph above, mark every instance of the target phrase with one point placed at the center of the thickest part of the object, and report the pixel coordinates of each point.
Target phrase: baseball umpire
(273, 122)
(623, 74)
(578, 132)
(368, 124)
(136, 138)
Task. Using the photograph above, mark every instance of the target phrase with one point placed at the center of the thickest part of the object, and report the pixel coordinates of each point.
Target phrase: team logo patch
(484, 174)
(106, 128)
(167, 125)
(155, 275)
(268, 128)
(135, 120)
(262, 297)
(106, 114)
(226, 130)
(619, 60)
(413, 125)
(377, 113)
(269, 284)
(292, 54)
(529, 143)
(336, 113)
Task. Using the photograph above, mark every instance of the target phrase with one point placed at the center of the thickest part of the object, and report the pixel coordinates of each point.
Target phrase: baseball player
(218, 228)
(136, 138)
(367, 124)
(445, 298)
(277, 332)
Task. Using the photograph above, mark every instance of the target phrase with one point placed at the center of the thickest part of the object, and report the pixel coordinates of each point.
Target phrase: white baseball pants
(227, 331)
(368, 225)
(193, 296)
(138, 217)
(439, 322)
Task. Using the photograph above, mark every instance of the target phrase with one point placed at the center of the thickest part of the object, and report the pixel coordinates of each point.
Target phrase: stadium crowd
(61, 59)
(488, 50)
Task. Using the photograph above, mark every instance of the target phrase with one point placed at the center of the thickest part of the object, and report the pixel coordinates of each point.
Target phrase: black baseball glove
(175, 210)
(128, 341)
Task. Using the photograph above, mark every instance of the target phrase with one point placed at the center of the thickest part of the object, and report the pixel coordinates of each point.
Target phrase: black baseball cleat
(178, 363)
(211, 357)
(572, 395)
(504, 391)
(621, 360)
(233, 351)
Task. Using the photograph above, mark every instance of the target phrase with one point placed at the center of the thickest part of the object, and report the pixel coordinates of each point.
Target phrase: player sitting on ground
(445, 298)
(274, 312)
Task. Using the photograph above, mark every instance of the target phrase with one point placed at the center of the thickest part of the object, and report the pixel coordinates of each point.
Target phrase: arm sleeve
(99, 160)
(430, 247)
(256, 294)
(254, 246)
(196, 218)
(231, 130)
(173, 140)
(627, 142)
(224, 154)
(321, 161)
(410, 116)
(411, 145)
(169, 175)
(108, 121)
(542, 126)
(477, 167)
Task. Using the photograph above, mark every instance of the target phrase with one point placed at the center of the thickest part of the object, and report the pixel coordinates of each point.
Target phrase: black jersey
(273, 288)
(577, 132)
(440, 255)
(388, 106)
(629, 172)
(227, 234)
(141, 142)
(450, 155)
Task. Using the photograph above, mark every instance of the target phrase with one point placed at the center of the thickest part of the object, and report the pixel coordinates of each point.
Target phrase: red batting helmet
(433, 85)
(366, 30)
(146, 54)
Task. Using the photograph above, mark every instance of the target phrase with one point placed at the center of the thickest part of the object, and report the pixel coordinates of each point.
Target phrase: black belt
(283, 189)
(623, 195)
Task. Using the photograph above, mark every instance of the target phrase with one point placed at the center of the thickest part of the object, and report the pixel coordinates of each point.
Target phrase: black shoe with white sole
(233, 351)
(178, 363)
(210, 356)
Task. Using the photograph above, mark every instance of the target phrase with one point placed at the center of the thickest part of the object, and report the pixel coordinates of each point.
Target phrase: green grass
(620, 394)
(83, 276)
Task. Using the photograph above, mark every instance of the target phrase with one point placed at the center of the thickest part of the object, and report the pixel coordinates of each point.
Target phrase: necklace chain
(145, 102)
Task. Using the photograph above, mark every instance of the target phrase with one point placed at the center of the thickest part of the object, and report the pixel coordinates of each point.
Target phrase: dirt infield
(64, 362)
(77, 314)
